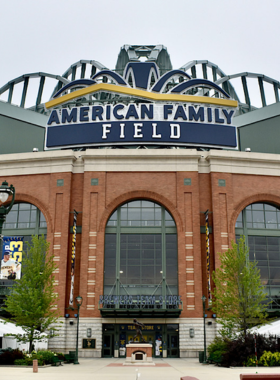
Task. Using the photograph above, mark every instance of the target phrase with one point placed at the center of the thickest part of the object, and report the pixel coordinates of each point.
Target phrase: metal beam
(11, 90)
(204, 70)
(83, 70)
(193, 70)
(276, 93)
(74, 69)
(24, 92)
(40, 91)
(260, 80)
(246, 92)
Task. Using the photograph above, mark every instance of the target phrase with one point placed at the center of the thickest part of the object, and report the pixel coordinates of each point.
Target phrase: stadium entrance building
(139, 177)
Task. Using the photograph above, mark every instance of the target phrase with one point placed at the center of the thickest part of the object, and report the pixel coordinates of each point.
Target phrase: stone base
(139, 354)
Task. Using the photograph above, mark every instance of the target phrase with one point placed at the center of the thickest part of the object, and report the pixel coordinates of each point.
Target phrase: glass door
(172, 345)
(108, 345)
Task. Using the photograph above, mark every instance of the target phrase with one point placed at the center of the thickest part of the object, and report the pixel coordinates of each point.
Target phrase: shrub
(251, 361)
(8, 356)
(45, 356)
(20, 362)
(217, 348)
(240, 350)
(270, 359)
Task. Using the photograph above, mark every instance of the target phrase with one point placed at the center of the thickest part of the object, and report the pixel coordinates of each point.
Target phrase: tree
(239, 296)
(32, 297)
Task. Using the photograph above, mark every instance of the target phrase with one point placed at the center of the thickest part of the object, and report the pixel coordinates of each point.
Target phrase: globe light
(5, 191)
(4, 197)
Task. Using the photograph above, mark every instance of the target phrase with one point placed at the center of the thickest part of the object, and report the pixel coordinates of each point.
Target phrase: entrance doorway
(108, 345)
(173, 345)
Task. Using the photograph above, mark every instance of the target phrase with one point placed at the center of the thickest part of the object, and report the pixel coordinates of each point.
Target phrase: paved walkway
(111, 369)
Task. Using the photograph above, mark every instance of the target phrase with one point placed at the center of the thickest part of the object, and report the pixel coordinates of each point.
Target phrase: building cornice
(236, 162)
(140, 160)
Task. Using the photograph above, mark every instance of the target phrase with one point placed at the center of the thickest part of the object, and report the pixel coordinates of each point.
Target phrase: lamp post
(203, 302)
(5, 192)
(79, 301)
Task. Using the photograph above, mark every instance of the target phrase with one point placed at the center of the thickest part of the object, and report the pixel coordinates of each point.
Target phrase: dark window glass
(136, 251)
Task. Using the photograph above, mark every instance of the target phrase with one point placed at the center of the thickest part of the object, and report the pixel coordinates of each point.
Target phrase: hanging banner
(208, 257)
(73, 254)
(11, 258)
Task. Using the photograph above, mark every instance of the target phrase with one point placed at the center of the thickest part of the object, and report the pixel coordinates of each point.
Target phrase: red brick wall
(95, 204)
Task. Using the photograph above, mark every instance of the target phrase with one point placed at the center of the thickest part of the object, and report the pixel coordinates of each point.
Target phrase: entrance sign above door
(140, 108)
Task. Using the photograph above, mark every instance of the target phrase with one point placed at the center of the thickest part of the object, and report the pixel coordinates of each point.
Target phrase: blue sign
(169, 118)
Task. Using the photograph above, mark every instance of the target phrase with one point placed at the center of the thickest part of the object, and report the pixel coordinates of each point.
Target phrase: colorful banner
(73, 254)
(11, 258)
(208, 257)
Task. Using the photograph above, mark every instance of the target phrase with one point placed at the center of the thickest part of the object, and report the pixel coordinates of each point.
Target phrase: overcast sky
(48, 36)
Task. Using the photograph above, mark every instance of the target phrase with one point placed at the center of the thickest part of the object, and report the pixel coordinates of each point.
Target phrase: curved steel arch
(25, 78)
(227, 86)
(72, 71)
(261, 79)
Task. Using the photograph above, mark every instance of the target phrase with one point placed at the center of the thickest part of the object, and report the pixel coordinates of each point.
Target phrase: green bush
(217, 348)
(45, 356)
(20, 362)
(270, 359)
(251, 361)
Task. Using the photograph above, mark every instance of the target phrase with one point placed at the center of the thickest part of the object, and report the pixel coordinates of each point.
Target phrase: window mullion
(118, 249)
(163, 248)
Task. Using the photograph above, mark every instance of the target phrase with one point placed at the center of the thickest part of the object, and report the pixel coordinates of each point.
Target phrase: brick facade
(186, 202)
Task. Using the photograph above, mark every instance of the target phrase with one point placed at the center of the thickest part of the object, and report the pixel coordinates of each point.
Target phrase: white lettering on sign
(138, 130)
(155, 135)
(106, 130)
(175, 131)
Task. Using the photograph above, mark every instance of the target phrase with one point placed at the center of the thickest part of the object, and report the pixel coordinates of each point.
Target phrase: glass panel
(257, 206)
(148, 214)
(133, 213)
(110, 260)
(24, 206)
(269, 207)
(147, 204)
(270, 219)
(171, 259)
(134, 204)
(33, 215)
(239, 221)
(43, 222)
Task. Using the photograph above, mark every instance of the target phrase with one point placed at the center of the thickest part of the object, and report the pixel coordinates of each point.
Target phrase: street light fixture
(79, 301)
(5, 192)
(204, 316)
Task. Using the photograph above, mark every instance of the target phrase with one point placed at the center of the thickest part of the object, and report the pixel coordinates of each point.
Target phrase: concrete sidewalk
(112, 369)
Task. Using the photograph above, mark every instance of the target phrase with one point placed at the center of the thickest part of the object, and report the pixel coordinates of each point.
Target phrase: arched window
(260, 223)
(141, 251)
(26, 220)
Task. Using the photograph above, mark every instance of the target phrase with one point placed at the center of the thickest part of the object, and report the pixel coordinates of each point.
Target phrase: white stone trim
(188, 233)
(189, 258)
(189, 246)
